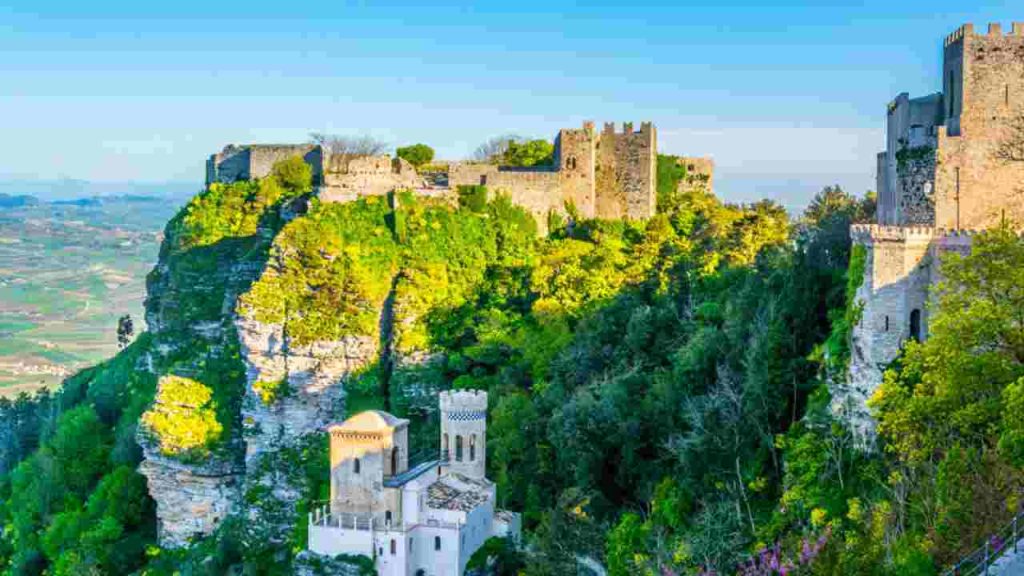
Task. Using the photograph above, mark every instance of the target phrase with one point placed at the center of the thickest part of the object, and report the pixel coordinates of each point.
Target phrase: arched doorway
(915, 324)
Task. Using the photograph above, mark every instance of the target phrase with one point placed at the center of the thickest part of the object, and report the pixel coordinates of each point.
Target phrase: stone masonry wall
(984, 75)
(902, 265)
(575, 155)
(346, 179)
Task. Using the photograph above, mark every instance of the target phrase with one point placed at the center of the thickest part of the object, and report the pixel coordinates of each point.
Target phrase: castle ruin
(606, 174)
(940, 179)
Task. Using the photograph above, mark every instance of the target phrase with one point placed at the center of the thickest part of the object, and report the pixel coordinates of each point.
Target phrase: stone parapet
(462, 400)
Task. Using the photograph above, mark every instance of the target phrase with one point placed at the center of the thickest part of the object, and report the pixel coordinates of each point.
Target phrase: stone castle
(412, 518)
(941, 177)
(604, 174)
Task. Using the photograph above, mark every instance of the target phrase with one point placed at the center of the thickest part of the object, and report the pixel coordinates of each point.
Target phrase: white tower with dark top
(464, 431)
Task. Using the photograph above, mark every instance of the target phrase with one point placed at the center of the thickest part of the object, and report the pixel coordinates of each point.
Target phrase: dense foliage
(659, 389)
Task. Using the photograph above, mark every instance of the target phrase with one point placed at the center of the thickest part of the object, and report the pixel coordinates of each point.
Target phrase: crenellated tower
(940, 178)
(464, 431)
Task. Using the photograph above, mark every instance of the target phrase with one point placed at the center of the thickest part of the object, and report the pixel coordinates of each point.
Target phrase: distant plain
(68, 271)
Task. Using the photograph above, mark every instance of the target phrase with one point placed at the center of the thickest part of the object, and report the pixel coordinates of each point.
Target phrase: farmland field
(67, 272)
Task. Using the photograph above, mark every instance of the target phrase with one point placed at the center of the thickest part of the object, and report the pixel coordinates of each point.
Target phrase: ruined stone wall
(251, 161)
(346, 179)
(700, 172)
(984, 74)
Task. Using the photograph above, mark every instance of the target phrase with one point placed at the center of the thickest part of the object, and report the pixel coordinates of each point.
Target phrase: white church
(427, 520)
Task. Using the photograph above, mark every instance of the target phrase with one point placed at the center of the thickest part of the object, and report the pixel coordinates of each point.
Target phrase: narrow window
(472, 448)
(887, 323)
(394, 461)
(915, 324)
(394, 547)
(387, 517)
(355, 466)
(445, 446)
(952, 92)
(437, 542)
(1006, 95)
(458, 448)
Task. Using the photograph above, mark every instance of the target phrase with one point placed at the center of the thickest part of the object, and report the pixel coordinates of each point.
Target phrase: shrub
(417, 154)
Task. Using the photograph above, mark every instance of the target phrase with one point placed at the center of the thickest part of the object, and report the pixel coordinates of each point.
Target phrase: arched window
(458, 448)
(437, 542)
(472, 448)
(394, 461)
(421, 572)
(394, 547)
(915, 324)
(355, 466)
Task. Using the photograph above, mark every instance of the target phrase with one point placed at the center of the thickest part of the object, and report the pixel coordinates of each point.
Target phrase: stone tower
(940, 179)
(626, 172)
(575, 154)
(366, 449)
(464, 431)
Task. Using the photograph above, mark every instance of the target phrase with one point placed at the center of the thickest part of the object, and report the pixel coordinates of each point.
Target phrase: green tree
(528, 153)
(416, 154)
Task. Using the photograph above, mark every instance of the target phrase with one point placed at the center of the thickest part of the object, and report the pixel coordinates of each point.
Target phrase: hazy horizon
(786, 99)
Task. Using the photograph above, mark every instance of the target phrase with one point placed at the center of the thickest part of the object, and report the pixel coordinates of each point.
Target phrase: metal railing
(996, 545)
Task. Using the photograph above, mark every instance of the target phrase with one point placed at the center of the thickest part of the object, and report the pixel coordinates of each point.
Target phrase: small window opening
(472, 448)
(437, 542)
(887, 323)
(394, 547)
(355, 466)
(458, 448)
(387, 516)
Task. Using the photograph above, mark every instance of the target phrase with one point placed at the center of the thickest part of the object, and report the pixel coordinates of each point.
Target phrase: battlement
(866, 233)
(463, 400)
(995, 29)
(627, 129)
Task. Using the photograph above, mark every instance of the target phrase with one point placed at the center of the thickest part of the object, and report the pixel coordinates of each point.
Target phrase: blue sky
(786, 96)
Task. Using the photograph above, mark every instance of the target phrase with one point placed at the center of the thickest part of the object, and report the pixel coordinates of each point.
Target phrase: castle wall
(346, 179)
(626, 171)
(906, 170)
(253, 161)
(577, 161)
(897, 275)
(985, 73)
(700, 171)
(611, 175)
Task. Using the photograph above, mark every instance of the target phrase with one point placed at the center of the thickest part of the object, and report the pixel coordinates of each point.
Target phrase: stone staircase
(1001, 555)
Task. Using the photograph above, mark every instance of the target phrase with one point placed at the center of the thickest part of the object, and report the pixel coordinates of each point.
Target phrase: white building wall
(331, 541)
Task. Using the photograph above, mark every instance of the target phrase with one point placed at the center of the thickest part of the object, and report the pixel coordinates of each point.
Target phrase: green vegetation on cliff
(659, 389)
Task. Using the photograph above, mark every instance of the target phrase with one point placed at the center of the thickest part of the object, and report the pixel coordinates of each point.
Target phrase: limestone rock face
(293, 390)
(191, 500)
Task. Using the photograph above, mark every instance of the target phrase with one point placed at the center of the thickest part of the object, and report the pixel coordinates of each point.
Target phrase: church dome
(371, 421)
